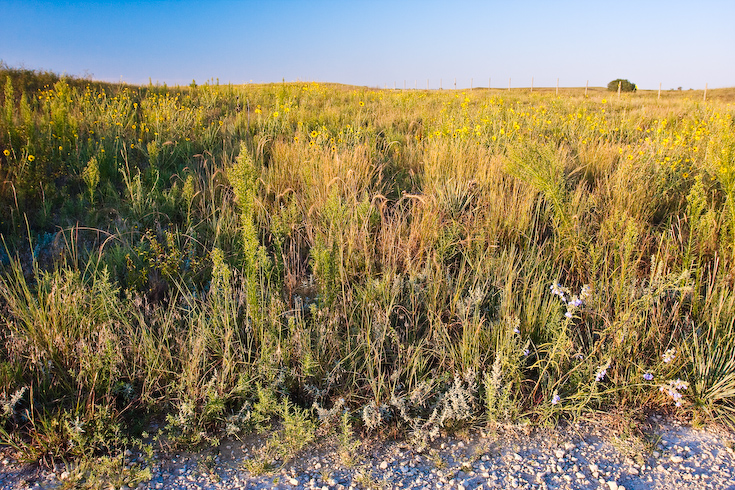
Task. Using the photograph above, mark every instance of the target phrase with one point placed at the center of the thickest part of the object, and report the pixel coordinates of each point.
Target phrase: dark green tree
(625, 85)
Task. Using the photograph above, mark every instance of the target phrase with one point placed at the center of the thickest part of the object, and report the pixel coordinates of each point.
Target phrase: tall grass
(425, 259)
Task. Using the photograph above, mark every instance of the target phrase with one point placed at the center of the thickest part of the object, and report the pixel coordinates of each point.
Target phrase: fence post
(620, 84)
(586, 86)
(705, 93)
(659, 90)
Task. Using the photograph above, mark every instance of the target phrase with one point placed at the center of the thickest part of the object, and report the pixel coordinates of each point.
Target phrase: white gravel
(605, 455)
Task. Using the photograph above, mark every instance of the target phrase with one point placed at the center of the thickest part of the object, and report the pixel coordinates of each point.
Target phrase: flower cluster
(602, 371)
(574, 302)
(669, 355)
(673, 388)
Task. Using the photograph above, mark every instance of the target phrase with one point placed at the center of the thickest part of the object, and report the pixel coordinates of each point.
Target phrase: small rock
(383, 465)
(612, 485)
(559, 453)
(293, 481)
(656, 454)
(676, 459)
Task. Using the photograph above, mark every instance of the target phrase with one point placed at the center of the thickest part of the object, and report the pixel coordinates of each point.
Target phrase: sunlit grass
(184, 252)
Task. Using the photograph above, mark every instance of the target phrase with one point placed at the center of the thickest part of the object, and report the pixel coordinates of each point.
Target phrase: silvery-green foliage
(471, 302)
(8, 404)
(329, 416)
(373, 416)
(238, 422)
(499, 404)
(457, 405)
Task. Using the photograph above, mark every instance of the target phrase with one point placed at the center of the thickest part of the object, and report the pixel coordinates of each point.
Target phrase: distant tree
(625, 86)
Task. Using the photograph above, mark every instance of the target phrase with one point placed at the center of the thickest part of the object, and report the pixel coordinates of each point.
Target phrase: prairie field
(316, 258)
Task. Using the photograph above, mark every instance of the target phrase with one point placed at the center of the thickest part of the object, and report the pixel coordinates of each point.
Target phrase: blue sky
(378, 43)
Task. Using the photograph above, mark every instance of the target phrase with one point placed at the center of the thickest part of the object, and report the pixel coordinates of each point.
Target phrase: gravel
(607, 455)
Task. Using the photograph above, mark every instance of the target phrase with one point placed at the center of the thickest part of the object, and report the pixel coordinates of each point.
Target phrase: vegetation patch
(315, 259)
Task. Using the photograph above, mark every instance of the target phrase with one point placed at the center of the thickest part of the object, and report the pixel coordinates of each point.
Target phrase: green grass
(225, 258)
